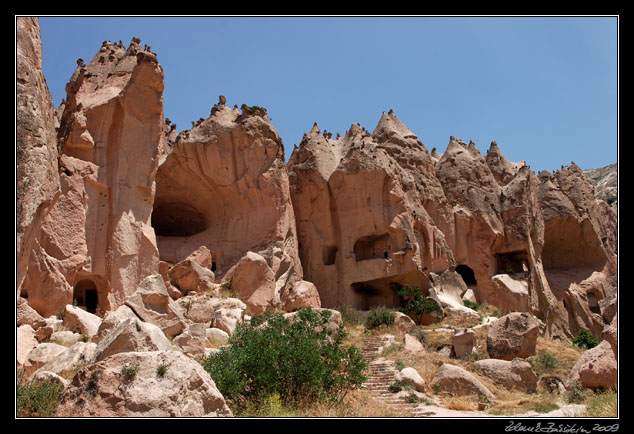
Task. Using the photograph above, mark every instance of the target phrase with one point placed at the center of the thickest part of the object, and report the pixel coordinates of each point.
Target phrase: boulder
(254, 282)
(69, 361)
(81, 321)
(463, 342)
(143, 384)
(193, 274)
(193, 340)
(455, 380)
(512, 290)
(610, 334)
(131, 335)
(412, 377)
(597, 367)
(66, 338)
(25, 342)
(334, 320)
(403, 322)
(113, 318)
(25, 314)
(412, 344)
(515, 374)
(200, 308)
(513, 335)
(300, 294)
(227, 318)
(41, 355)
(152, 304)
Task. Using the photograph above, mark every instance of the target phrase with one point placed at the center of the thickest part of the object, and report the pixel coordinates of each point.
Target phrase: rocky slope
(121, 219)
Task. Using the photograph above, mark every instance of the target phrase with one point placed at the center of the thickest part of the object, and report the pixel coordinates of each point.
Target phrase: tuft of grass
(543, 363)
(602, 404)
(129, 371)
(37, 399)
(378, 316)
(161, 370)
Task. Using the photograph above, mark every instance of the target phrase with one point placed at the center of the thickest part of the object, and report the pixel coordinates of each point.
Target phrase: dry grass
(358, 403)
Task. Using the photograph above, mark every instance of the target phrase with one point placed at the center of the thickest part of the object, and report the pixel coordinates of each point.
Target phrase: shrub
(585, 340)
(350, 315)
(416, 304)
(161, 370)
(37, 399)
(575, 393)
(298, 359)
(378, 316)
(471, 304)
(543, 363)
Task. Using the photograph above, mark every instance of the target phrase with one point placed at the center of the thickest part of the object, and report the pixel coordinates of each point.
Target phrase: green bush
(416, 304)
(471, 304)
(543, 363)
(38, 399)
(298, 359)
(379, 315)
(585, 340)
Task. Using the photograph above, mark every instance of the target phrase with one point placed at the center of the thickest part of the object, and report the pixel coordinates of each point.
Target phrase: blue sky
(544, 88)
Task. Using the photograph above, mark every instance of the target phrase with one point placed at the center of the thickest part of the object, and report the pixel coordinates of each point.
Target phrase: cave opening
(85, 295)
(177, 219)
(512, 262)
(330, 255)
(467, 274)
(376, 246)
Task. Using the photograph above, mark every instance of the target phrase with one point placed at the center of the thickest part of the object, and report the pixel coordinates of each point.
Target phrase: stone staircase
(382, 375)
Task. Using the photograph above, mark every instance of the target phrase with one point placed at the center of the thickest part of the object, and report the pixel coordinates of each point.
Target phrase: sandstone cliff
(37, 180)
(96, 243)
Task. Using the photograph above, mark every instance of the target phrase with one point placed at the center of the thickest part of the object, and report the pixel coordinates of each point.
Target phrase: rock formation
(37, 179)
(224, 186)
(96, 243)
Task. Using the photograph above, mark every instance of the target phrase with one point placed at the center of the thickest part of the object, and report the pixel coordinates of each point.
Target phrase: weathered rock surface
(104, 390)
(514, 374)
(412, 377)
(96, 243)
(513, 335)
(605, 181)
(82, 322)
(455, 380)
(152, 304)
(224, 186)
(596, 367)
(131, 335)
(363, 204)
(37, 179)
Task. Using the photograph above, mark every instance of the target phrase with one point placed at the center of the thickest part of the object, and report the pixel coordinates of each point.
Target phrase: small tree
(585, 340)
(416, 304)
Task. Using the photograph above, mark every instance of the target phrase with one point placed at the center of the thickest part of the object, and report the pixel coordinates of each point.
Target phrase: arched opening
(467, 274)
(85, 295)
(177, 219)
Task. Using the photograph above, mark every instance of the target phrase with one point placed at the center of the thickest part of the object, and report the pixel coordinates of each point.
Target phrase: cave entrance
(177, 219)
(512, 262)
(85, 295)
(372, 247)
(467, 274)
(593, 303)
